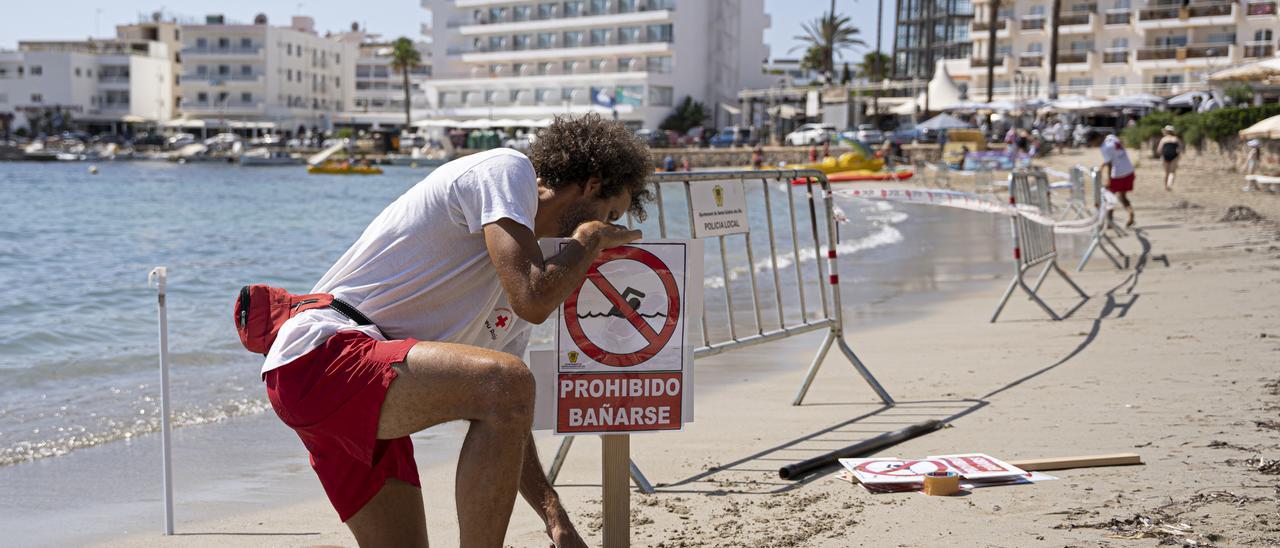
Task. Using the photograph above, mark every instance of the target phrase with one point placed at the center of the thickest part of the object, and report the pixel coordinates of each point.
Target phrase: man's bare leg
(396, 503)
(442, 382)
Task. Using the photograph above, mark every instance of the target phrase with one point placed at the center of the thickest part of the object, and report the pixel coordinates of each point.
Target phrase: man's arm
(534, 286)
(542, 497)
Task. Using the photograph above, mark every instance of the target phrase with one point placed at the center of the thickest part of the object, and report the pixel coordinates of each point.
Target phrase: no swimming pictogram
(625, 305)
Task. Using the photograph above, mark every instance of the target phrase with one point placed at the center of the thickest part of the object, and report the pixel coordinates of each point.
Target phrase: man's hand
(597, 236)
(535, 287)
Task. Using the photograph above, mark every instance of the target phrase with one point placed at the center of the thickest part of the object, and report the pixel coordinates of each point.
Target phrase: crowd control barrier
(1033, 242)
(1100, 240)
(780, 302)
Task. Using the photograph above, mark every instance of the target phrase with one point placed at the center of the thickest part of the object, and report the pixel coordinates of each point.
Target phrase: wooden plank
(1087, 461)
(616, 490)
(1053, 463)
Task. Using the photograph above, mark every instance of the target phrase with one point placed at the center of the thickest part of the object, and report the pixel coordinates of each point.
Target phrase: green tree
(875, 66)
(812, 59)
(1239, 94)
(405, 58)
(687, 115)
(831, 34)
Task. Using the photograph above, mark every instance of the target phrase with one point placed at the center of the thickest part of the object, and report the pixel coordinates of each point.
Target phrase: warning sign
(624, 361)
(971, 466)
(719, 208)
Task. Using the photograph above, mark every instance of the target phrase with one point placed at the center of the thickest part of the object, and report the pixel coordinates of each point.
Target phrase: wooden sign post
(615, 452)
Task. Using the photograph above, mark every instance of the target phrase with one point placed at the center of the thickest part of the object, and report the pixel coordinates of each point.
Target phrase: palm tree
(874, 66)
(830, 34)
(405, 58)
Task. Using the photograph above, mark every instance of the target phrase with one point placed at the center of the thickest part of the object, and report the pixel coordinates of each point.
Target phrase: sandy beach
(1176, 358)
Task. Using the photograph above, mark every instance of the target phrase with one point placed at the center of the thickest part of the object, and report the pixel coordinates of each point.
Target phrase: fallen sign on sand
(885, 475)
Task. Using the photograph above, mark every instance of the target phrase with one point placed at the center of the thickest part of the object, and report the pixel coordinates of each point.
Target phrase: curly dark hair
(574, 149)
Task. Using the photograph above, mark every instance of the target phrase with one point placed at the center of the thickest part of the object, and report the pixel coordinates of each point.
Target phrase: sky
(79, 19)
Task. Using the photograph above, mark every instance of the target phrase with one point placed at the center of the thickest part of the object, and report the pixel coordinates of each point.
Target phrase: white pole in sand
(157, 279)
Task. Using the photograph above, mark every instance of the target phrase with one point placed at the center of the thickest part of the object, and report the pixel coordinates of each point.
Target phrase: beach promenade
(1177, 359)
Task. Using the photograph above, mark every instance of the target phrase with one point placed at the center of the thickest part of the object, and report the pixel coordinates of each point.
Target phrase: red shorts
(332, 397)
(1121, 184)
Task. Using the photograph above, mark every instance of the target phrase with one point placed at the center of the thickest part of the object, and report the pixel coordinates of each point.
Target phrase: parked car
(903, 134)
(810, 134)
(869, 134)
(655, 138)
(732, 136)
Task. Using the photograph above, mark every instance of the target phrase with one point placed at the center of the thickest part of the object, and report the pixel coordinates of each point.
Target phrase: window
(1080, 82)
(546, 40)
(626, 64)
(223, 97)
(246, 43)
(224, 70)
(596, 65)
(546, 11)
(1120, 43)
(381, 71)
(1035, 48)
(201, 43)
(599, 37)
(544, 95)
(658, 33)
(363, 71)
(661, 96)
(37, 70)
(658, 64)
(1222, 38)
(628, 35)
(544, 67)
(37, 98)
(1263, 35)
(224, 43)
(599, 7)
(566, 94)
(202, 97)
(626, 6)
(1117, 81)
(495, 69)
(246, 70)
(492, 96)
(497, 43)
(497, 14)
(246, 97)
(518, 68)
(77, 71)
(572, 38)
(569, 67)
(573, 8)
(666, 4)
(521, 41)
(521, 13)
(1167, 79)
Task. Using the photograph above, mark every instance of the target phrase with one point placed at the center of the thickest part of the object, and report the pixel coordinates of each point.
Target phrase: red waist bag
(261, 310)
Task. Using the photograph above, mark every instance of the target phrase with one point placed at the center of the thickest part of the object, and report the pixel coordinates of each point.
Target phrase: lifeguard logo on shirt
(499, 323)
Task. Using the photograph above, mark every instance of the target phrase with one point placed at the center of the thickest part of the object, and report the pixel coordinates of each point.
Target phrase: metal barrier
(1077, 207)
(1033, 243)
(1100, 239)
(794, 230)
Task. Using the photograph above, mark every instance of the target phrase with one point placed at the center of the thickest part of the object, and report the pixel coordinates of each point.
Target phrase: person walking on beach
(1251, 162)
(1169, 148)
(1118, 167)
(450, 275)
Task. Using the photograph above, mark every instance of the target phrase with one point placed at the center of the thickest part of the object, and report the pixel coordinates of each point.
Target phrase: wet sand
(1177, 358)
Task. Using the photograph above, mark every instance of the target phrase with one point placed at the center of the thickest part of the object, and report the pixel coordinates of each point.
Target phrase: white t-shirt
(1113, 153)
(421, 269)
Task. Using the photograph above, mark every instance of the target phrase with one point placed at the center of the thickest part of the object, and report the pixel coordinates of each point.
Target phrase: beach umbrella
(1145, 101)
(1266, 129)
(945, 121)
(1075, 103)
(1261, 71)
(1190, 99)
(967, 106)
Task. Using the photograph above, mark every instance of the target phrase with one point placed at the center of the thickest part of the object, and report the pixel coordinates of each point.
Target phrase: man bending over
(444, 273)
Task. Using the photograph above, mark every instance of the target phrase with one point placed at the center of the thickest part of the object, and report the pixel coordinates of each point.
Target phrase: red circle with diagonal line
(656, 339)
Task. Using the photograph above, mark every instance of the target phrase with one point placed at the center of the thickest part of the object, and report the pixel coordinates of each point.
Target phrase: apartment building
(927, 31)
(634, 59)
(378, 100)
(288, 76)
(156, 29)
(97, 85)
(1119, 47)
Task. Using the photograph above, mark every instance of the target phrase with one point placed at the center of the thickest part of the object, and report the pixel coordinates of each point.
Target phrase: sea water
(78, 342)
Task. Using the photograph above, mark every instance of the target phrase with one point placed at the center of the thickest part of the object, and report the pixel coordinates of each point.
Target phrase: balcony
(985, 26)
(1074, 61)
(509, 15)
(1031, 60)
(1216, 13)
(1193, 55)
(1117, 17)
(1254, 50)
(1115, 56)
(222, 52)
(221, 79)
(1260, 9)
(1036, 23)
(612, 47)
(1075, 23)
(231, 107)
(981, 62)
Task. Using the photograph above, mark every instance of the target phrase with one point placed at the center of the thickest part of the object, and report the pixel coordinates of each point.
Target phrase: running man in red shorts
(451, 276)
(1119, 169)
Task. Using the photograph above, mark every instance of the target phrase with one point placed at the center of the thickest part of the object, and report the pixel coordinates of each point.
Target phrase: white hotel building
(1118, 47)
(289, 77)
(94, 84)
(532, 59)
